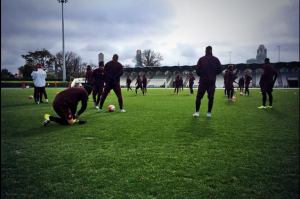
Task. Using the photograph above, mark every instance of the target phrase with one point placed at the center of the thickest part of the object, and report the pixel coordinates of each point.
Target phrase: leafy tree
(6, 75)
(150, 58)
(43, 57)
(27, 69)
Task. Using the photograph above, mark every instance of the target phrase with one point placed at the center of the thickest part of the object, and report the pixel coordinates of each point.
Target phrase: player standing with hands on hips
(208, 67)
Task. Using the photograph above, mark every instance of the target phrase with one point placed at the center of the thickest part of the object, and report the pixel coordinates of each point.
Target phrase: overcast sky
(178, 29)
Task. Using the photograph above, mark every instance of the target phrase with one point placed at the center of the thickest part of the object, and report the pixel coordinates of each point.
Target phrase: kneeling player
(65, 105)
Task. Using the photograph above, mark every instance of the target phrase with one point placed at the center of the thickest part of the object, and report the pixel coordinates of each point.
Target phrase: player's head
(267, 60)
(208, 49)
(88, 88)
(88, 67)
(115, 57)
(230, 67)
(101, 65)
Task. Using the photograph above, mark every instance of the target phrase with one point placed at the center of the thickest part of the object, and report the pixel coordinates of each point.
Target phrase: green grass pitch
(155, 150)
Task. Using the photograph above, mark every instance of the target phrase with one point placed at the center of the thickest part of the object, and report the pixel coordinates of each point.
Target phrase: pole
(278, 53)
(63, 45)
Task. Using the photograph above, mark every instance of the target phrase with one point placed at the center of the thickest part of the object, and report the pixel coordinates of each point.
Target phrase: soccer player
(269, 77)
(88, 75)
(208, 67)
(39, 80)
(229, 82)
(241, 84)
(128, 82)
(225, 77)
(139, 84)
(144, 84)
(191, 83)
(65, 105)
(98, 83)
(113, 70)
(181, 83)
(176, 84)
(247, 83)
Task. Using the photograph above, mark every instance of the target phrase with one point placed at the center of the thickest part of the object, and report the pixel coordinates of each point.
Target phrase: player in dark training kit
(128, 82)
(98, 83)
(144, 84)
(225, 77)
(229, 82)
(65, 105)
(241, 84)
(176, 84)
(191, 83)
(88, 75)
(208, 67)
(113, 70)
(247, 83)
(139, 84)
(268, 80)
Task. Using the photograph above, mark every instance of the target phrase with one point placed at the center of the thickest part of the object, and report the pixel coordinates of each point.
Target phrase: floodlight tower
(63, 38)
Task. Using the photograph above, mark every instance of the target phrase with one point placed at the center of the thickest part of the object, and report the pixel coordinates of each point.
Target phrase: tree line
(75, 68)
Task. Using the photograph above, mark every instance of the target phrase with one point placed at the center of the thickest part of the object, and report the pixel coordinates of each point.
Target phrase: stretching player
(65, 105)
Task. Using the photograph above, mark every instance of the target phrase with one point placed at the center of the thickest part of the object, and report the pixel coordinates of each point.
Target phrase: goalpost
(157, 83)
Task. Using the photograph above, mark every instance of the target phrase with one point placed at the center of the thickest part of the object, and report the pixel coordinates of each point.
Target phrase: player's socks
(208, 114)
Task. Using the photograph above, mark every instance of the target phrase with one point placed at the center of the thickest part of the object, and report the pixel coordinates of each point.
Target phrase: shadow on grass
(198, 128)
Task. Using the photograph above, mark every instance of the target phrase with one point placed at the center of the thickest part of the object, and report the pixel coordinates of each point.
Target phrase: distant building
(100, 57)
(138, 58)
(260, 57)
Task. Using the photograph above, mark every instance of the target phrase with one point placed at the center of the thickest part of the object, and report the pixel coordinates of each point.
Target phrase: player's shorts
(209, 88)
(267, 88)
(98, 90)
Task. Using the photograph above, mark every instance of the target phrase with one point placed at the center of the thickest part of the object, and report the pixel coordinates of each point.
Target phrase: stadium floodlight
(63, 38)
